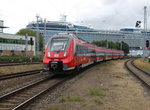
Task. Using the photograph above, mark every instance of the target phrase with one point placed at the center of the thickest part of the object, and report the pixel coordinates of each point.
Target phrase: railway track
(141, 74)
(18, 99)
(13, 75)
(15, 64)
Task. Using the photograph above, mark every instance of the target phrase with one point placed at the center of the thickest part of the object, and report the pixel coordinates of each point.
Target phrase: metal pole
(66, 26)
(26, 49)
(106, 43)
(145, 18)
(145, 31)
(121, 45)
(44, 37)
(37, 37)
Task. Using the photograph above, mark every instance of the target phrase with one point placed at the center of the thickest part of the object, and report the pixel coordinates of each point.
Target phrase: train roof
(85, 42)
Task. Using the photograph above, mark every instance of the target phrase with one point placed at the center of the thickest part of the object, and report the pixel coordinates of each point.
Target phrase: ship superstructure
(59, 26)
(135, 38)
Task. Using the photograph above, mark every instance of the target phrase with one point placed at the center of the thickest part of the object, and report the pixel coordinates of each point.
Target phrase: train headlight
(65, 53)
(48, 54)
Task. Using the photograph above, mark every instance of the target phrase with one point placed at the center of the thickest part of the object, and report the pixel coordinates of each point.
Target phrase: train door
(78, 54)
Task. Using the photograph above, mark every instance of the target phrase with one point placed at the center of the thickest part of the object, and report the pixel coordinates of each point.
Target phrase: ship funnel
(138, 24)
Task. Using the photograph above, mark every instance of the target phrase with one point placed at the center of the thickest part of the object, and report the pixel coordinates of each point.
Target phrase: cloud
(109, 2)
(100, 14)
(118, 14)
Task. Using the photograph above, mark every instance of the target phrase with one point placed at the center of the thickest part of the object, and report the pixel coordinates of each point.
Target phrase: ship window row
(14, 41)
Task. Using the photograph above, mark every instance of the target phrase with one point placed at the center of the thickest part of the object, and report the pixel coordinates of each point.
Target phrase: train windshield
(59, 44)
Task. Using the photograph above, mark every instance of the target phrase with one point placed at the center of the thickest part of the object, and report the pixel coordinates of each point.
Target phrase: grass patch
(76, 99)
(60, 95)
(107, 63)
(143, 64)
(62, 100)
(147, 68)
(59, 108)
(96, 92)
(54, 109)
(97, 101)
(71, 99)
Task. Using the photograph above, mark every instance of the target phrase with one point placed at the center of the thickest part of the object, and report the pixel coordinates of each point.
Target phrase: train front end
(59, 53)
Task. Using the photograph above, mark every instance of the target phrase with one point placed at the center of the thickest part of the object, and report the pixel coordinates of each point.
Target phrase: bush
(18, 59)
(35, 59)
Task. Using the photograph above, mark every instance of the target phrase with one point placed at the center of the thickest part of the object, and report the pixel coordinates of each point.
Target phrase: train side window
(76, 50)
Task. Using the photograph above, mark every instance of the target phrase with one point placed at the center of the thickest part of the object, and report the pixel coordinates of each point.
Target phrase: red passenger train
(65, 52)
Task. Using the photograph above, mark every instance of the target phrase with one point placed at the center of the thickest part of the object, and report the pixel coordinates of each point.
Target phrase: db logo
(56, 55)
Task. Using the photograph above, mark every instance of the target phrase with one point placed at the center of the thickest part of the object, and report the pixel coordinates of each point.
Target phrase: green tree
(113, 45)
(118, 46)
(32, 33)
(100, 43)
(26, 31)
(125, 47)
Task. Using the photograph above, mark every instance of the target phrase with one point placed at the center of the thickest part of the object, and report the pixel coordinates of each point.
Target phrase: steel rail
(33, 97)
(21, 89)
(15, 64)
(142, 75)
(141, 69)
(19, 74)
(22, 105)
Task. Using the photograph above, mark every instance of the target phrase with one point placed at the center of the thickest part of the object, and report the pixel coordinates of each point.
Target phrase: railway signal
(147, 43)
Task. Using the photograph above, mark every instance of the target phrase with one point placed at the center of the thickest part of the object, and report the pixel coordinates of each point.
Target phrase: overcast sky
(98, 14)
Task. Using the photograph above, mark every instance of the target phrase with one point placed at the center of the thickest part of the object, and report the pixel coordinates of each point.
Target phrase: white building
(11, 44)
